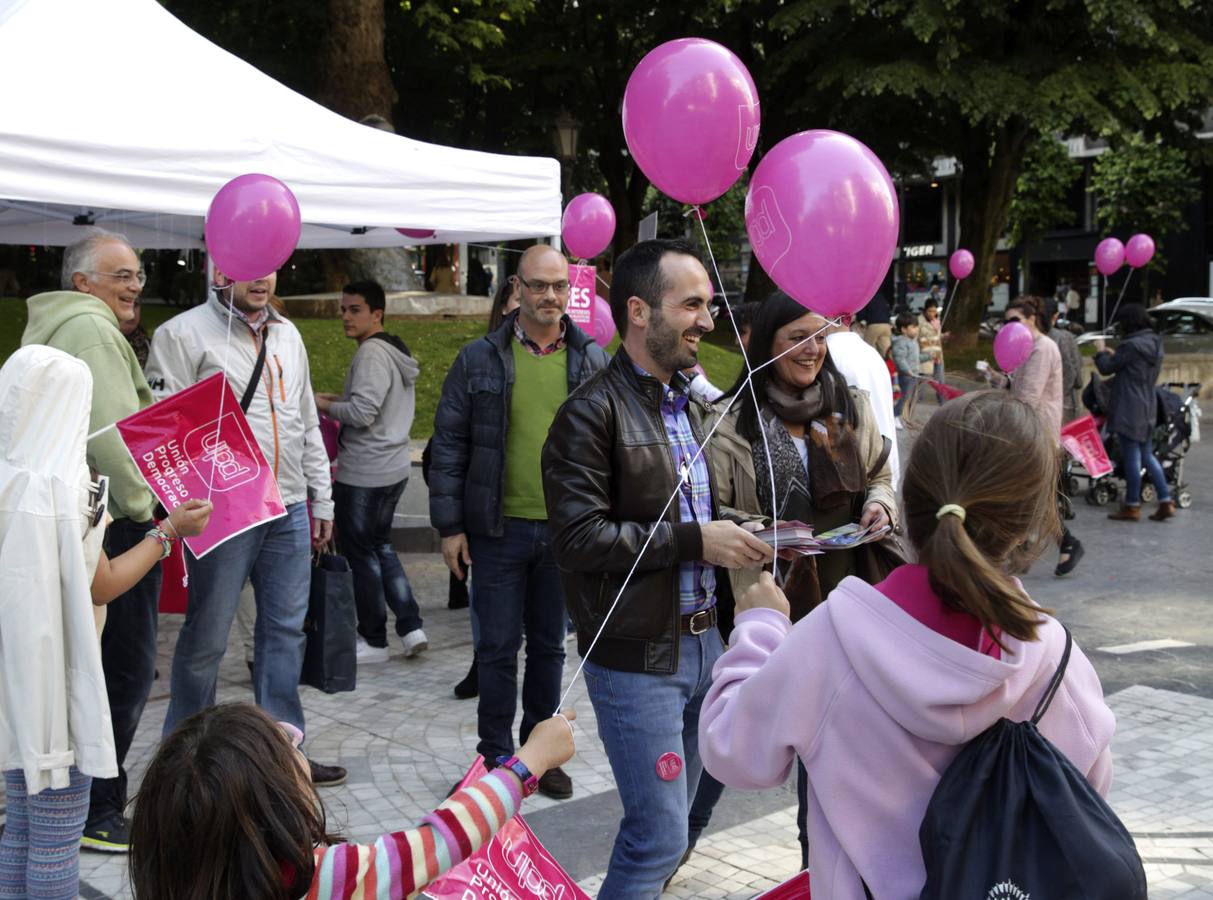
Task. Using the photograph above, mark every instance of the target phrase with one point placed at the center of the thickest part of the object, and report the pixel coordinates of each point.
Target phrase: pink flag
(1081, 440)
(182, 454)
(795, 888)
(581, 296)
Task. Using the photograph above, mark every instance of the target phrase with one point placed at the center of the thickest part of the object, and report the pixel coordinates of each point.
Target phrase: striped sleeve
(400, 864)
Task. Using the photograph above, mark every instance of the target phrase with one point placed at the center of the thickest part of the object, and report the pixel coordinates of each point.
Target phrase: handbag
(874, 561)
(330, 662)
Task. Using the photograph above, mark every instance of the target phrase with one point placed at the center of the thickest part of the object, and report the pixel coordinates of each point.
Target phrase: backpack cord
(1055, 683)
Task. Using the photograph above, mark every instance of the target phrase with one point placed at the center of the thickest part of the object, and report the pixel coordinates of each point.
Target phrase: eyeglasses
(126, 276)
(1012, 319)
(559, 288)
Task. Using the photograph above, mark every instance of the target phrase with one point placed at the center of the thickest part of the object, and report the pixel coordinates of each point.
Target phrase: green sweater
(541, 385)
(86, 328)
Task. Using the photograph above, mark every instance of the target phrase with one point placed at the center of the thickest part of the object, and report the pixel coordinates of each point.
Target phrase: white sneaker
(367, 654)
(414, 642)
(900, 427)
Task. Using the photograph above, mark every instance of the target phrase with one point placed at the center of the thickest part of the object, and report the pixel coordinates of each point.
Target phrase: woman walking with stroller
(1133, 409)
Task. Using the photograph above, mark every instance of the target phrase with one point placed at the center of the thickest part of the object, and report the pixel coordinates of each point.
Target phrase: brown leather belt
(699, 622)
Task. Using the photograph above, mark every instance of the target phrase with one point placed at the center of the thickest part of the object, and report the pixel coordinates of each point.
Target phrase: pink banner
(1082, 441)
(581, 296)
(795, 888)
(512, 866)
(182, 455)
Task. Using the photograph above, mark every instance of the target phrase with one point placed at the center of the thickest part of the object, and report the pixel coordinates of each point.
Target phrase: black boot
(470, 686)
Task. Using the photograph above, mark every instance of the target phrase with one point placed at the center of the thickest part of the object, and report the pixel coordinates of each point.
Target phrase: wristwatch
(530, 783)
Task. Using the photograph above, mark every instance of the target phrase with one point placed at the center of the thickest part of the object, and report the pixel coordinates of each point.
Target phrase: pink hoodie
(877, 704)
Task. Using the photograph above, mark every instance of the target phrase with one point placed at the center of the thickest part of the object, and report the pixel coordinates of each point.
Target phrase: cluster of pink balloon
(588, 225)
(1111, 254)
(252, 226)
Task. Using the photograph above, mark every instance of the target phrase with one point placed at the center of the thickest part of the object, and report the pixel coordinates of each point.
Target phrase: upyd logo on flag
(184, 449)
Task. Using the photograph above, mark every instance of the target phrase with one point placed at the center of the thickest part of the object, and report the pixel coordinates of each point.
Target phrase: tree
(356, 81)
(1039, 203)
(1143, 185)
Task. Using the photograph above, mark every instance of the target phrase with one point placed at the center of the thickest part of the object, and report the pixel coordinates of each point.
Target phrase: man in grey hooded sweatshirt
(376, 414)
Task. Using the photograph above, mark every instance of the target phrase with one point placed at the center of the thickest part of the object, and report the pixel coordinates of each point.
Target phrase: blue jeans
(277, 557)
(907, 384)
(517, 589)
(363, 520)
(640, 718)
(128, 658)
(1134, 455)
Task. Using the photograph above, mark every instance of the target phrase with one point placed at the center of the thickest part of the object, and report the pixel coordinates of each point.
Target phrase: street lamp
(564, 139)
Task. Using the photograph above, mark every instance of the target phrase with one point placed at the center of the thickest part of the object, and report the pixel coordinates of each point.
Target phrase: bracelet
(166, 542)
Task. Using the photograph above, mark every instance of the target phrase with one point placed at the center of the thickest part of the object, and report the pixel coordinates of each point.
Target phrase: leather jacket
(608, 477)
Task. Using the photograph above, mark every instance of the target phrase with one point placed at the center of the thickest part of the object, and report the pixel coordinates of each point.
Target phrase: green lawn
(435, 343)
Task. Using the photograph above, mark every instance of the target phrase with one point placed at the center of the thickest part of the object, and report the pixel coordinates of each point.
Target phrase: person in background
(1156, 298)
(862, 367)
(906, 358)
(136, 336)
(930, 344)
(1071, 363)
(879, 688)
(233, 771)
(877, 323)
(504, 302)
(443, 276)
(1133, 410)
(373, 464)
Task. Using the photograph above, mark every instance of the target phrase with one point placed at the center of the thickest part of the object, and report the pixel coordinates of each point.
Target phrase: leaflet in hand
(797, 537)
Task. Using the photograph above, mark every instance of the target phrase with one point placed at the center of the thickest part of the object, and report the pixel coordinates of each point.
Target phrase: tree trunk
(758, 284)
(356, 81)
(987, 186)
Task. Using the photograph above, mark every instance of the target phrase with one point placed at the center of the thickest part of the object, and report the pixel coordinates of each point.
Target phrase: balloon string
(1104, 306)
(830, 323)
(947, 308)
(227, 346)
(1123, 288)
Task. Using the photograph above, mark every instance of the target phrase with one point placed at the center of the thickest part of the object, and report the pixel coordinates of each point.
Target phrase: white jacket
(862, 367)
(190, 347)
(53, 707)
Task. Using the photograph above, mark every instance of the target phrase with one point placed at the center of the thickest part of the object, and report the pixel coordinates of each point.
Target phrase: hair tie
(951, 509)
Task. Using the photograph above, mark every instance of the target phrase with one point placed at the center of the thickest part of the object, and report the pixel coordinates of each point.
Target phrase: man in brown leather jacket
(633, 520)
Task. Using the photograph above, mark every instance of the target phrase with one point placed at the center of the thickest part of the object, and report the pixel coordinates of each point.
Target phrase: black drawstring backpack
(1013, 819)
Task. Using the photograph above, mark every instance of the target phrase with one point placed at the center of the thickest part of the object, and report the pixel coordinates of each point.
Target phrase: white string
(948, 305)
(1123, 288)
(227, 346)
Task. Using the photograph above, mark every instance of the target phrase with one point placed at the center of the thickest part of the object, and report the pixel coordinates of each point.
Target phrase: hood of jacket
(399, 354)
(34, 380)
(48, 312)
(932, 686)
(1147, 344)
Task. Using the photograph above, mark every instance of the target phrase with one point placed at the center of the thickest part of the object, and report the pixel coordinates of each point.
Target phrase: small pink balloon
(691, 118)
(588, 225)
(1013, 345)
(1139, 250)
(602, 326)
(960, 264)
(821, 214)
(1110, 255)
(419, 233)
(252, 226)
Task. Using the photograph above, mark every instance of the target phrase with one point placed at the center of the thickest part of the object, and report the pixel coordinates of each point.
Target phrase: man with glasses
(487, 502)
(101, 280)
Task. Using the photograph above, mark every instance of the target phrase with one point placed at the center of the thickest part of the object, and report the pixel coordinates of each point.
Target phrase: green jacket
(85, 327)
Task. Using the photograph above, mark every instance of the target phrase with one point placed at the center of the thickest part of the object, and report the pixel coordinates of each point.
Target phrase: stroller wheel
(1183, 498)
(1148, 493)
(1101, 493)
(1072, 486)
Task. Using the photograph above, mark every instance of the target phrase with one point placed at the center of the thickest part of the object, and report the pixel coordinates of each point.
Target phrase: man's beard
(665, 345)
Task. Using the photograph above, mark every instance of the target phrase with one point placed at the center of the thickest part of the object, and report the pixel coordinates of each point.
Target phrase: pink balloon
(1110, 255)
(960, 264)
(602, 326)
(252, 226)
(1139, 250)
(691, 117)
(822, 218)
(419, 233)
(1013, 345)
(588, 225)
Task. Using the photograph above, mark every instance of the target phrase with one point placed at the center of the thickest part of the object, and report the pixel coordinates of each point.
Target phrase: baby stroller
(1177, 426)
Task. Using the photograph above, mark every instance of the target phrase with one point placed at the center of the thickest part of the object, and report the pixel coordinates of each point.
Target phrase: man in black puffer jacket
(486, 497)
(628, 488)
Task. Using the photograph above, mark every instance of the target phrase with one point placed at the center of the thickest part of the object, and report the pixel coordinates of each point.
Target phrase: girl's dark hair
(1134, 318)
(1030, 306)
(497, 310)
(990, 454)
(772, 314)
(225, 813)
(931, 302)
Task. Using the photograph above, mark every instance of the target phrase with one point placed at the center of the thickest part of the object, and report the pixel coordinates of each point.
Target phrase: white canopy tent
(114, 113)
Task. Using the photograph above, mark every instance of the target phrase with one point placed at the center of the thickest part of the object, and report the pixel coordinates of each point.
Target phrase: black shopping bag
(330, 660)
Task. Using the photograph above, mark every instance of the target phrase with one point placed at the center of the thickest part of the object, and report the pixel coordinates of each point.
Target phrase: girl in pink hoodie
(878, 688)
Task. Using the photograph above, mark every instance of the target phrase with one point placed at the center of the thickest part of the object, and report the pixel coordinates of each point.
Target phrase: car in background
(1186, 324)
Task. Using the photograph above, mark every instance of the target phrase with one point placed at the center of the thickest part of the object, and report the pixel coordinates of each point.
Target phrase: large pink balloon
(602, 326)
(1139, 250)
(960, 264)
(1013, 345)
(588, 225)
(691, 117)
(822, 218)
(252, 226)
(419, 233)
(1109, 255)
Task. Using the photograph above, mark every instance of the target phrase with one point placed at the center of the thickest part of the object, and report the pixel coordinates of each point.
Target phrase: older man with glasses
(487, 502)
(101, 280)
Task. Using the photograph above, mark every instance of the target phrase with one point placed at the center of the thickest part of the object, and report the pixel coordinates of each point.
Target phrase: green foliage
(1039, 204)
(1143, 185)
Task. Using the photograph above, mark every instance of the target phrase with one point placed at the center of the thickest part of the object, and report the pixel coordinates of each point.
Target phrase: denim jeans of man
(277, 557)
(128, 658)
(517, 592)
(642, 717)
(364, 537)
(1134, 455)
